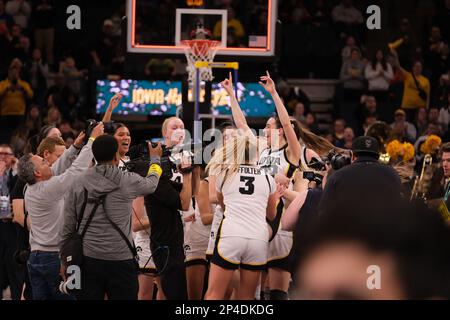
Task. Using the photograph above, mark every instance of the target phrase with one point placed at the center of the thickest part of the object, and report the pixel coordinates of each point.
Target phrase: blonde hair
(49, 144)
(239, 150)
(166, 124)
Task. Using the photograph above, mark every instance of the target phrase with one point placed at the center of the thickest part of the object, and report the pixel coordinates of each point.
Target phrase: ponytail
(312, 141)
(316, 143)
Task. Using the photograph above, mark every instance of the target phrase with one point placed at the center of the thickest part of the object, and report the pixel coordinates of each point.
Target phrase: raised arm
(403, 72)
(113, 103)
(294, 147)
(238, 115)
(68, 157)
(57, 186)
(139, 186)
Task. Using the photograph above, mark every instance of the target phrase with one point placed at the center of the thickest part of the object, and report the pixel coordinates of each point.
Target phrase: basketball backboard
(159, 26)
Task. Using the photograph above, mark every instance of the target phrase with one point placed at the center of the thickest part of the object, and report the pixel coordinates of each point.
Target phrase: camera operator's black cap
(104, 148)
(366, 145)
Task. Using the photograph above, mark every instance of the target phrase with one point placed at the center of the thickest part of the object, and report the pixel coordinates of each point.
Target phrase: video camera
(170, 159)
(313, 177)
(140, 160)
(109, 128)
(337, 161)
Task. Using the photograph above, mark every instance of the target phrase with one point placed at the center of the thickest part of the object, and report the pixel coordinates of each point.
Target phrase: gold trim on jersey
(281, 257)
(218, 242)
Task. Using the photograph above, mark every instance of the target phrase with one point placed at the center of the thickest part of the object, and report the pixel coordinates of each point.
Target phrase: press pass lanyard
(4, 197)
(4, 191)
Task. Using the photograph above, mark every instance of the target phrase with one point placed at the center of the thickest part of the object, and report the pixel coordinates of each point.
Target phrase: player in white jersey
(196, 240)
(248, 196)
(217, 220)
(280, 157)
(283, 151)
(228, 131)
(141, 235)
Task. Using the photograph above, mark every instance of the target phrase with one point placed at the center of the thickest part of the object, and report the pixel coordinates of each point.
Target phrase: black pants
(117, 280)
(11, 274)
(173, 271)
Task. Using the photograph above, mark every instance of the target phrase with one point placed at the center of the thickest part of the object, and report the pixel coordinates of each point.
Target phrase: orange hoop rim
(189, 43)
(200, 47)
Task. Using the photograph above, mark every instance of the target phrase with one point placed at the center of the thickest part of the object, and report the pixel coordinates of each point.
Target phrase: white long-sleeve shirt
(379, 82)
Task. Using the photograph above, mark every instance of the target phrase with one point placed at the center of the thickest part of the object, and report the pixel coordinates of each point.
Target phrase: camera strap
(97, 202)
(418, 86)
(83, 207)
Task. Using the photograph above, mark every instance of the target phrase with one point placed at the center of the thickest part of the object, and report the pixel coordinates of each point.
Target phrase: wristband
(186, 170)
(91, 139)
(154, 168)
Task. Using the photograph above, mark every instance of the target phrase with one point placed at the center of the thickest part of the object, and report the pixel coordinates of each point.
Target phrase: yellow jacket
(411, 98)
(13, 103)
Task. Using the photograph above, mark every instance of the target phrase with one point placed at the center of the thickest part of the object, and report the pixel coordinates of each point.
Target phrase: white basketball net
(200, 50)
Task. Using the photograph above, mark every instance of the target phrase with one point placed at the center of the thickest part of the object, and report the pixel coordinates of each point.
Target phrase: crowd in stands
(401, 81)
(40, 85)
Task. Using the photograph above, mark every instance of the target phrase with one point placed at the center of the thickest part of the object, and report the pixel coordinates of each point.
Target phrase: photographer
(44, 199)
(108, 261)
(365, 182)
(51, 149)
(167, 235)
(163, 208)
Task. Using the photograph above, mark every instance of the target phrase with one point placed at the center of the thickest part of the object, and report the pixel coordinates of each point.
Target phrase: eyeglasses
(5, 154)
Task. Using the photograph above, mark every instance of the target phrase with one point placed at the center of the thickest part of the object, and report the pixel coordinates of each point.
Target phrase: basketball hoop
(200, 50)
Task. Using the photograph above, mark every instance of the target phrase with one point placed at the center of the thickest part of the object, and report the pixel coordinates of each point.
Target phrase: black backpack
(72, 249)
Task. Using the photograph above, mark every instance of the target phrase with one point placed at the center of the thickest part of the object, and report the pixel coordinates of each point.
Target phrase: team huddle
(234, 223)
(216, 230)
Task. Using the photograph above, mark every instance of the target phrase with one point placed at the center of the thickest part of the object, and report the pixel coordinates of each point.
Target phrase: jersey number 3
(249, 186)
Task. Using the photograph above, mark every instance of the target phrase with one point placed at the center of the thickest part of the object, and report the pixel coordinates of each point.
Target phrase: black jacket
(364, 184)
